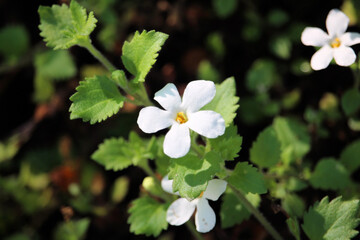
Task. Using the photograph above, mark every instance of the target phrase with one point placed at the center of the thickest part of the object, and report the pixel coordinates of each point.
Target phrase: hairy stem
(193, 231)
(269, 228)
(98, 55)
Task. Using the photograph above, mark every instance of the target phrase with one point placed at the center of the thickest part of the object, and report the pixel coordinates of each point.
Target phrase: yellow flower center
(181, 117)
(201, 194)
(335, 43)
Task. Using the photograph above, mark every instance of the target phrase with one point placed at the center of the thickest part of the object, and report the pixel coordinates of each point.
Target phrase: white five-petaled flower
(182, 116)
(335, 44)
(182, 209)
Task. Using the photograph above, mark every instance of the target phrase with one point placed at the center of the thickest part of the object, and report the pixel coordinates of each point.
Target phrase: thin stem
(192, 229)
(269, 228)
(98, 55)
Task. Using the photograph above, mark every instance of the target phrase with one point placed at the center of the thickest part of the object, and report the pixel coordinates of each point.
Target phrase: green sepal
(97, 98)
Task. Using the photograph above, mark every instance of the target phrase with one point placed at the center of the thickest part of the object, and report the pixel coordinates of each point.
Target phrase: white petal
(179, 211)
(197, 94)
(336, 23)
(207, 123)
(205, 218)
(168, 97)
(350, 38)
(322, 58)
(344, 56)
(177, 141)
(214, 189)
(316, 37)
(166, 184)
(153, 119)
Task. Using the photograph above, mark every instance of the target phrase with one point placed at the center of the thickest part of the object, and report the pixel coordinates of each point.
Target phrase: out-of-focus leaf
(72, 230)
(281, 46)
(207, 71)
(293, 205)
(14, 41)
(350, 156)
(294, 227)
(215, 42)
(277, 17)
(261, 76)
(350, 101)
(9, 148)
(120, 189)
(224, 8)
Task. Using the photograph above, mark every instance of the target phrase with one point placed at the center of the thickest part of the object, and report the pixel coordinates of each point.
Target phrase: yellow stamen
(201, 194)
(181, 117)
(335, 43)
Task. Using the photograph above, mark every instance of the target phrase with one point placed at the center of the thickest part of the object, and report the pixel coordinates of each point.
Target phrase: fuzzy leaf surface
(191, 173)
(65, 26)
(141, 52)
(335, 220)
(147, 216)
(97, 98)
(225, 101)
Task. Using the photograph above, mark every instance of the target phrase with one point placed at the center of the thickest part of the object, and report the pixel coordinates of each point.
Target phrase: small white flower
(182, 116)
(182, 209)
(335, 44)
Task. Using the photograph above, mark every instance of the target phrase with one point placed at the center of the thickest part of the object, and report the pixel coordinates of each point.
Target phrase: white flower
(182, 209)
(335, 44)
(182, 116)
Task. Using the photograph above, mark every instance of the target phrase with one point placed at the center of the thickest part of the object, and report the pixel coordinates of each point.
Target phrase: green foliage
(350, 101)
(191, 173)
(261, 76)
(225, 101)
(247, 179)
(63, 27)
(224, 8)
(43, 160)
(141, 52)
(336, 220)
(55, 65)
(281, 47)
(338, 179)
(14, 41)
(293, 205)
(117, 154)
(147, 216)
(9, 148)
(350, 156)
(232, 211)
(294, 138)
(229, 138)
(294, 228)
(72, 230)
(43, 88)
(18, 236)
(277, 17)
(214, 41)
(120, 189)
(207, 71)
(96, 99)
(266, 150)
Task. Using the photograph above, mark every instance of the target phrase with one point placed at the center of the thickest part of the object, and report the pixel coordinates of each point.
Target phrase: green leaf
(247, 178)
(120, 189)
(266, 150)
(72, 230)
(191, 174)
(63, 27)
(232, 211)
(55, 65)
(261, 76)
(294, 138)
(336, 220)
(350, 101)
(350, 156)
(293, 205)
(225, 101)
(229, 144)
(141, 52)
(147, 216)
(294, 228)
(117, 154)
(224, 8)
(14, 41)
(207, 71)
(339, 178)
(96, 99)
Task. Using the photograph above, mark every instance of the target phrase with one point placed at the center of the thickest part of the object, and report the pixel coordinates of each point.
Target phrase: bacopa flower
(335, 44)
(182, 116)
(182, 209)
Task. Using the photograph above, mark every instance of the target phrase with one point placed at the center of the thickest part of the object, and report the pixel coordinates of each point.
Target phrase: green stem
(269, 228)
(192, 229)
(97, 54)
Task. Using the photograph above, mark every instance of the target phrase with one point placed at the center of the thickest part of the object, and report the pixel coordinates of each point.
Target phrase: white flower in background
(182, 116)
(181, 209)
(335, 44)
